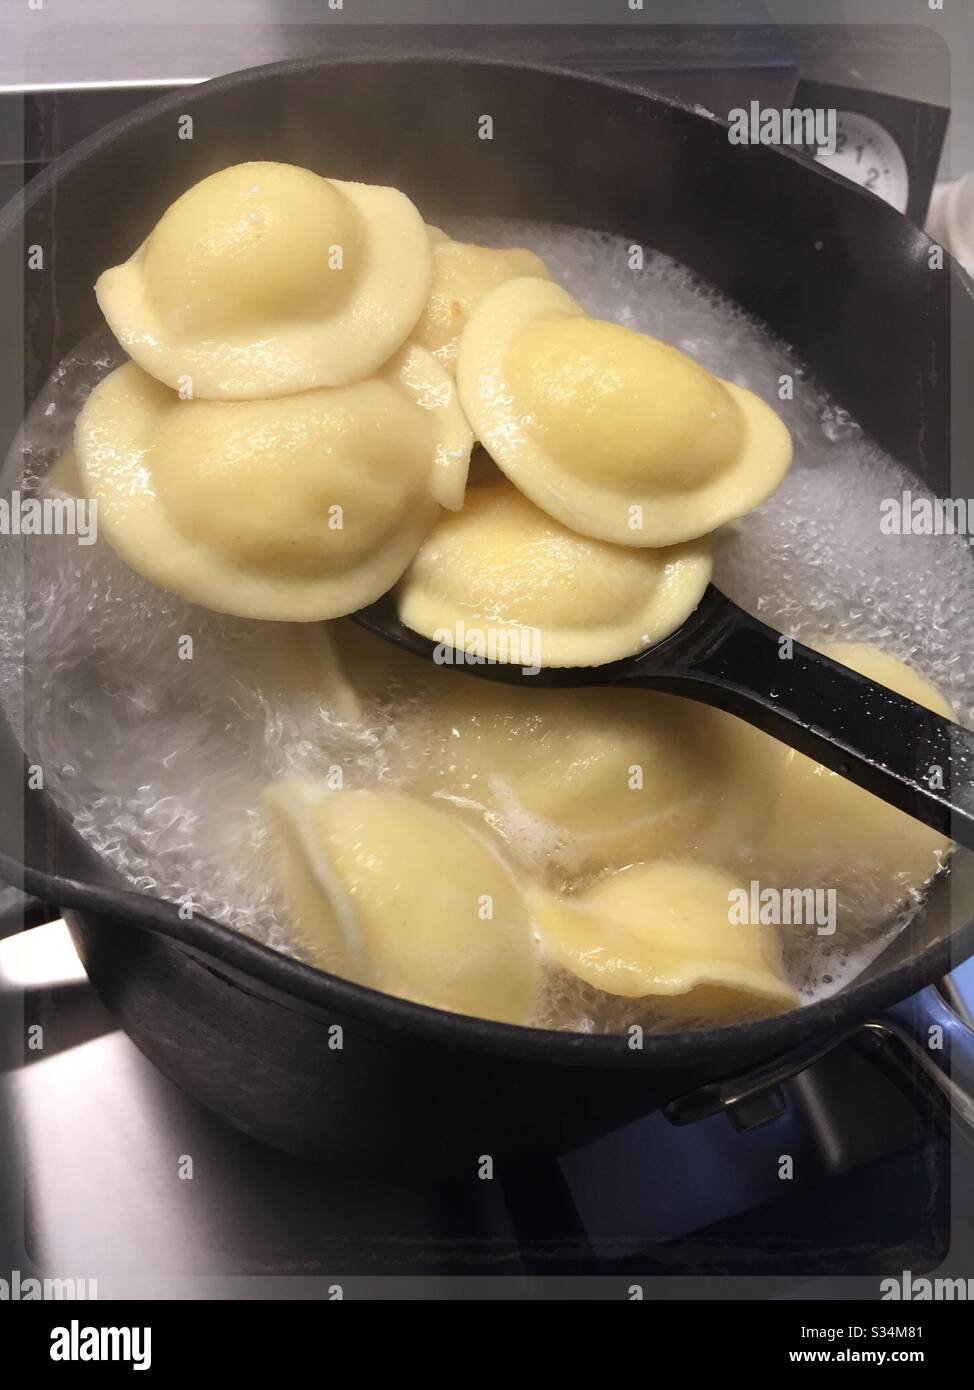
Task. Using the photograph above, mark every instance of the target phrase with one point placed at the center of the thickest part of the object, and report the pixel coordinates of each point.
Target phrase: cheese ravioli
(501, 576)
(397, 894)
(462, 275)
(663, 931)
(614, 776)
(295, 509)
(825, 829)
(615, 434)
(266, 279)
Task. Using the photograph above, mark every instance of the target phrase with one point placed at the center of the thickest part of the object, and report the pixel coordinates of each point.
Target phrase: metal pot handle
(940, 1043)
(923, 1028)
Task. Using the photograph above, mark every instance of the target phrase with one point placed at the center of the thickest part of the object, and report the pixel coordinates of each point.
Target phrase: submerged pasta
(617, 435)
(502, 578)
(399, 895)
(665, 931)
(615, 776)
(462, 275)
(826, 829)
(265, 279)
(297, 509)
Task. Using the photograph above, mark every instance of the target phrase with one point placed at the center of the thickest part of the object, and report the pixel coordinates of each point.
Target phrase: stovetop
(128, 1181)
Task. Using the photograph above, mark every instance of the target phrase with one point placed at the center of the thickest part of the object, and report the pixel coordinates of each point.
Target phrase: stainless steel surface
(129, 1182)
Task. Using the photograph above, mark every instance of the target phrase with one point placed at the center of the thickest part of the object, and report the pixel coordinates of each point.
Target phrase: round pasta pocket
(502, 577)
(617, 435)
(295, 509)
(265, 279)
(391, 892)
(827, 831)
(462, 275)
(664, 931)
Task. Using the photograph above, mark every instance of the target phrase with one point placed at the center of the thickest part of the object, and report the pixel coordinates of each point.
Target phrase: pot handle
(928, 1031)
(923, 1029)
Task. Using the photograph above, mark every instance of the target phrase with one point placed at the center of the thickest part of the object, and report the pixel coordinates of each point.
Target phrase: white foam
(160, 762)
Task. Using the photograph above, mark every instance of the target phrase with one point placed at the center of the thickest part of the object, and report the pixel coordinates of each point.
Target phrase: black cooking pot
(309, 1062)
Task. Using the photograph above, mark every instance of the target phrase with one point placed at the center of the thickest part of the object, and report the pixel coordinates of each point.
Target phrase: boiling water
(160, 760)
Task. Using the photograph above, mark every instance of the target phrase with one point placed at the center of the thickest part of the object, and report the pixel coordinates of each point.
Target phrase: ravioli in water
(295, 509)
(599, 778)
(664, 931)
(606, 777)
(266, 279)
(399, 895)
(617, 435)
(462, 275)
(826, 830)
(502, 579)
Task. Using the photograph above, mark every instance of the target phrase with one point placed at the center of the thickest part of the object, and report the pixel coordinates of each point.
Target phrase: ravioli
(605, 778)
(399, 895)
(462, 275)
(265, 279)
(826, 830)
(663, 931)
(599, 778)
(300, 663)
(502, 578)
(295, 509)
(615, 434)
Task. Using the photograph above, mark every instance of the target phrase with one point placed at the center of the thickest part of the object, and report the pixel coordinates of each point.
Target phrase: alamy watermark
(82, 1343)
(783, 907)
(910, 1289)
(908, 515)
(25, 1288)
(802, 127)
(482, 646)
(49, 516)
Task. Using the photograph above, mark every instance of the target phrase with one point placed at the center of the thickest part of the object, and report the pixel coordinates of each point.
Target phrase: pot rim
(41, 183)
(326, 993)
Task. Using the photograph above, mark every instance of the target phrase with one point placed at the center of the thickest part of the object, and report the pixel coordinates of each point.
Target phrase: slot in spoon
(723, 657)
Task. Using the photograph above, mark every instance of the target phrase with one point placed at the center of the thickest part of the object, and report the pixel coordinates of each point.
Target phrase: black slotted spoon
(903, 753)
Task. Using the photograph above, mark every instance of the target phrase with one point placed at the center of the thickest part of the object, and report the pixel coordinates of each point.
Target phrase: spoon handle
(913, 759)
